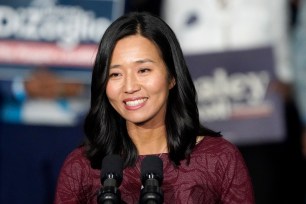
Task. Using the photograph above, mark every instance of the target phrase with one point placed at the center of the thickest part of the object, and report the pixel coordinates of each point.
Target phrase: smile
(136, 102)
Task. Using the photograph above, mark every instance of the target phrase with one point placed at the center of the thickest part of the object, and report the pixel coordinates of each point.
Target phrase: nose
(131, 84)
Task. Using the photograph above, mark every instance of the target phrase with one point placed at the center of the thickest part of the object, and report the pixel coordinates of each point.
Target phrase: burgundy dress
(216, 174)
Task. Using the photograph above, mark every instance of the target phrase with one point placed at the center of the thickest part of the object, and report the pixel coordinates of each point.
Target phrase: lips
(135, 102)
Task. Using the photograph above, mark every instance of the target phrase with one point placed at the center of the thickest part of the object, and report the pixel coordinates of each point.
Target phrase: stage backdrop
(236, 94)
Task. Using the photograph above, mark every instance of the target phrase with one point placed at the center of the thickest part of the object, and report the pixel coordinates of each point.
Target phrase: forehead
(135, 46)
(135, 50)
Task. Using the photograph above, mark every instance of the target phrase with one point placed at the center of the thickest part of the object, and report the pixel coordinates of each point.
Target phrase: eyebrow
(141, 61)
(144, 61)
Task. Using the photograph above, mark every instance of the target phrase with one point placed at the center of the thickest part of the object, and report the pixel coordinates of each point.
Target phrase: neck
(149, 141)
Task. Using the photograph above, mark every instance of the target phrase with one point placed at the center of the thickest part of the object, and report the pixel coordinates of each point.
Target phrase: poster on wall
(47, 50)
(236, 95)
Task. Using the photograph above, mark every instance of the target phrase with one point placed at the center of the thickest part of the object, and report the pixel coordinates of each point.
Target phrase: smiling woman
(143, 102)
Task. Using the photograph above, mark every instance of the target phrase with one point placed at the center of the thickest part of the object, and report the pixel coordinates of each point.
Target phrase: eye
(114, 75)
(144, 70)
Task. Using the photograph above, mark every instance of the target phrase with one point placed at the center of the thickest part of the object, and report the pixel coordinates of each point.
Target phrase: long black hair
(105, 129)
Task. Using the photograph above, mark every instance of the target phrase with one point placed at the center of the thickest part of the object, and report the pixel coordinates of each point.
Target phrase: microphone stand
(109, 194)
(151, 193)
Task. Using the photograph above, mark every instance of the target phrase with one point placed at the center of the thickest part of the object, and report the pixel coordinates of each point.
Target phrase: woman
(143, 102)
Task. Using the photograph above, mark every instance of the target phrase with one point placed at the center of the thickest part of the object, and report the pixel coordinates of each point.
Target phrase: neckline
(158, 154)
(167, 153)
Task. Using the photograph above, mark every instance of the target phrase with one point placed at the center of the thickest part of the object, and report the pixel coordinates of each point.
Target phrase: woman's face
(138, 84)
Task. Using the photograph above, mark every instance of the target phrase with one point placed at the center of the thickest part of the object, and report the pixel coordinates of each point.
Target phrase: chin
(137, 121)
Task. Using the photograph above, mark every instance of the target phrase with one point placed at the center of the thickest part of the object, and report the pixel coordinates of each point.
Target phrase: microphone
(111, 178)
(151, 179)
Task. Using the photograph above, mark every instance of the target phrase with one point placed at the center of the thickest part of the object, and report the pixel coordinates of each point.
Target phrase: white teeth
(136, 102)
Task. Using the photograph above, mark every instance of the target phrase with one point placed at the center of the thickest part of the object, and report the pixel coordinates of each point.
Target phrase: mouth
(137, 102)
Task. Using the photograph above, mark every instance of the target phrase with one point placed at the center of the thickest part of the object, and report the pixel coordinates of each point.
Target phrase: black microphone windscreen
(112, 164)
(152, 165)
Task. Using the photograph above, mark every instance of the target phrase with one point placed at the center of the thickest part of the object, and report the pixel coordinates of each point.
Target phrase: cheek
(112, 96)
(159, 88)
(110, 92)
(158, 84)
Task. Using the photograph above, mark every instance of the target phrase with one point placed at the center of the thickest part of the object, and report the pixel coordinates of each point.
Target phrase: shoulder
(223, 159)
(211, 144)
(77, 181)
(217, 149)
(76, 163)
(77, 156)
(222, 155)
(223, 166)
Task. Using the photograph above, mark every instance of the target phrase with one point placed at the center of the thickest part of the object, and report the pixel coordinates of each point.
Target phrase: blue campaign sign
(236, 95)
(47, 50)
(54, 33)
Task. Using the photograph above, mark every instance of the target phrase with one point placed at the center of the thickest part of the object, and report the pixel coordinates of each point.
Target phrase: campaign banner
(62, 34)
(47, 51)
(236, 94)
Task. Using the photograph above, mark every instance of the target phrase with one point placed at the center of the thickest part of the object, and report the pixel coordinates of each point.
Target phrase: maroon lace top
(216, 174)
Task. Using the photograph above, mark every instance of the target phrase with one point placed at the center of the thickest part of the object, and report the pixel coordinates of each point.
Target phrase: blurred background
(247, 59)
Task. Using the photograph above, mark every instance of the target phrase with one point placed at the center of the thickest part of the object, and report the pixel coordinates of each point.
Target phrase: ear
(172, 83)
